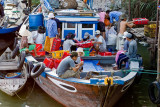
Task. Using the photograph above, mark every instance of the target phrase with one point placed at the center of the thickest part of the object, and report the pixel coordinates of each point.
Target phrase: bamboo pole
(157, 34)
(129, 9)
(29, 4)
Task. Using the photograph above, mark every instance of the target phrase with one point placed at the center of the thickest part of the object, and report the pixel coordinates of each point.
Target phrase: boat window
(70, 25)
(87, 25)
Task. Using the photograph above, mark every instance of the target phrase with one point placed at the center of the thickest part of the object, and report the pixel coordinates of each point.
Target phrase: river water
(136, 96)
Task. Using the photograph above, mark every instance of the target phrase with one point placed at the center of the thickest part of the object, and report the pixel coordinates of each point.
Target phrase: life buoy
(154, 97)
(21, 59)
(37, 70)
(15, 52)
(107, 79)
(29, 67)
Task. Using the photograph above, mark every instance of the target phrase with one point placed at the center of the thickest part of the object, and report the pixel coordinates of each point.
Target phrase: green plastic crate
(86, 53)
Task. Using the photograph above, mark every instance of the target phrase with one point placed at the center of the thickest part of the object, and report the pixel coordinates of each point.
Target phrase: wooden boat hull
(72, 94)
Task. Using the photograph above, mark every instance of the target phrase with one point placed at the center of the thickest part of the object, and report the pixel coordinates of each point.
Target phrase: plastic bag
(112, 38)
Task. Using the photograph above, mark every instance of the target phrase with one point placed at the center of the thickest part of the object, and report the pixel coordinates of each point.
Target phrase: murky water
(137, 95)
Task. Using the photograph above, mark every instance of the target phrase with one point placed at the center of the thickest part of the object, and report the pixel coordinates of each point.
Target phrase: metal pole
(157, 36)
(29, 4)
(129, 9)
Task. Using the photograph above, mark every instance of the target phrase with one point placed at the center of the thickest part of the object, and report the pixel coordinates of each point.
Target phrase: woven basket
(68, 4)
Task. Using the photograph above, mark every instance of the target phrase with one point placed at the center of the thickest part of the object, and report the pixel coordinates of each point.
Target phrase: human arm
(75, 69)
(130, 24)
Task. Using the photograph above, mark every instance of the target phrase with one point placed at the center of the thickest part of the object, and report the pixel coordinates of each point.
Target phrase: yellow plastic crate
(58, 54)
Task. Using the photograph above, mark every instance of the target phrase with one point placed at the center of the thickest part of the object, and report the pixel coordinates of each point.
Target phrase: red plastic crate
(40, 53)
(56, 44)
(87, 45)
(105, 53)
(65, 54)
(140, 21)
(38, 47)
(48, 62)
(56, 62)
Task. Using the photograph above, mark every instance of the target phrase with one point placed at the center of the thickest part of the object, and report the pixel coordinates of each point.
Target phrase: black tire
(155, 99)
(29, 67)
(15, 52)
(21, 60)
(37, 70)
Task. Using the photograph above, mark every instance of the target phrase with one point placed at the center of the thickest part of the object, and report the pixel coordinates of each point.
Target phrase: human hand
(81, 63)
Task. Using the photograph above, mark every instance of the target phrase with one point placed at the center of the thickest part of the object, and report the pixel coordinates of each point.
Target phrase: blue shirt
(52, 28)
(114, 15)
(126, 45)
(132, 50)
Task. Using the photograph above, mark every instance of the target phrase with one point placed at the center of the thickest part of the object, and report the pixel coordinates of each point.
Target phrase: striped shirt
(52, 28)
(114, 15)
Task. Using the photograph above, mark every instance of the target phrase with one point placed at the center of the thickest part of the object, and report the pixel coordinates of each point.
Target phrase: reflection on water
(137, 95)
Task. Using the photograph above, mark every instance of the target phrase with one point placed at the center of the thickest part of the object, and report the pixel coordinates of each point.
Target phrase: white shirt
(67, 44)
(103, 45)
(38, 37)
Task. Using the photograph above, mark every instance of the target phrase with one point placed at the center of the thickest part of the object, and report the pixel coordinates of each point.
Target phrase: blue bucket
(17, 76)
(35, 20)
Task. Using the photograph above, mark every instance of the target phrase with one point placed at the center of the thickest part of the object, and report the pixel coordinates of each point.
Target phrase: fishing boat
(13, 75)
(99, 84)
(13, 18)
(95, 91)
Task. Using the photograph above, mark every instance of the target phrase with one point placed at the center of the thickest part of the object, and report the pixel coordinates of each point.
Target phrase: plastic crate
(58, 54)
(140, 21)
(87, 45)
(65, 54)
(40, 53)
(55, 44)
(86, 49)
(86, 53)
(105, 53)
(56, 62)
(48, 62)
(38, 47)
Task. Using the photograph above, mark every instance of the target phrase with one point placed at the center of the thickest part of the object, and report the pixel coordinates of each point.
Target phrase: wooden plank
(8, 63)
(7, 68)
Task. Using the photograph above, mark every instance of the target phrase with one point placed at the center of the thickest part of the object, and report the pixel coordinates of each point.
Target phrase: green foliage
(35, 2)
(142, 8)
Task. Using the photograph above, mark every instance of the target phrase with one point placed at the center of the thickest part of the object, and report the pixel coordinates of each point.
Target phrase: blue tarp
(91, 65)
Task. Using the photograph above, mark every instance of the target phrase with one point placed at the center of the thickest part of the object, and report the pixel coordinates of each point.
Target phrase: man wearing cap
(100, 42)
(123, 25)
(52, 26)
(132, 49)
(67, 67)
(86, 36)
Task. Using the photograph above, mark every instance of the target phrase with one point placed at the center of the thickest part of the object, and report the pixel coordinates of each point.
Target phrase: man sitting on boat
(100, 44)
(67, 67)
(132, 49)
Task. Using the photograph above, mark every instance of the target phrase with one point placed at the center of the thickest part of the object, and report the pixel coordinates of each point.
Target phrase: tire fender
(151, 90)
(29, 67)
(21, 59)
(37, 70)
(15, 52)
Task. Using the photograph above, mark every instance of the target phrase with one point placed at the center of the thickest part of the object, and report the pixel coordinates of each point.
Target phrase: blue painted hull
(8, 30)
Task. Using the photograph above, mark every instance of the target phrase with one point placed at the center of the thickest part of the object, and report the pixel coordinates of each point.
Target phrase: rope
(151, 71)
(28, 95)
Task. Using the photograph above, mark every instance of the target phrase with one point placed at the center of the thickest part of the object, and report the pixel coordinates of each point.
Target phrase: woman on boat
(67, 67)
(27, 43)
(68, 43)
(86, 37)
(79, 59)
(39, 36)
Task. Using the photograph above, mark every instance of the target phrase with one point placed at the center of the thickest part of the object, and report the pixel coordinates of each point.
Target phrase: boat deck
(5, 66)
